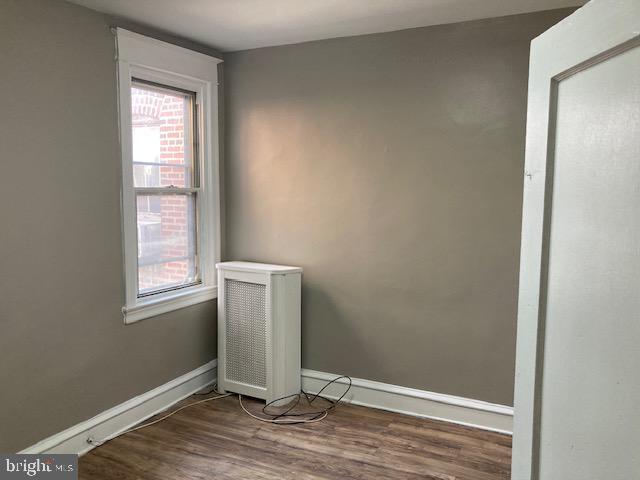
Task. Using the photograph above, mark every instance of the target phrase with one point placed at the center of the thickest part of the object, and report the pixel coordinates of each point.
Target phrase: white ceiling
(230, 25)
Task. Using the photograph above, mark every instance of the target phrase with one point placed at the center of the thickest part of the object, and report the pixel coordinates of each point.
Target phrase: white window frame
(148, 59)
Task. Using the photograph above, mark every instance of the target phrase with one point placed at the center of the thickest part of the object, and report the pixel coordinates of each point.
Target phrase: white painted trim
(410, 401)
(156, 305)
(149, 59)
(138, 46)
(383, 396)
(110, 423)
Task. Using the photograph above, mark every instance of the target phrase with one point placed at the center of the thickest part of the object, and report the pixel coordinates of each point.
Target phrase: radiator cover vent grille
(246, 324)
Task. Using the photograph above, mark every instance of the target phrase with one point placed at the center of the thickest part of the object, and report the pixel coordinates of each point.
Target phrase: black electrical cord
(213, 390)
(288, 417)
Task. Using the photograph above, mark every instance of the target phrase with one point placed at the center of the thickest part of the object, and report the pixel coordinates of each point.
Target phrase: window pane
(163, 276)
(166, 242)
(162, 136)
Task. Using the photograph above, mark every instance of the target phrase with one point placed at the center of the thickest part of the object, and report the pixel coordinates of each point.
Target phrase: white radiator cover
(259, 329)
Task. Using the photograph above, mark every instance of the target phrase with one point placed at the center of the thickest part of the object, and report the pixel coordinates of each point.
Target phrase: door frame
(599, 30)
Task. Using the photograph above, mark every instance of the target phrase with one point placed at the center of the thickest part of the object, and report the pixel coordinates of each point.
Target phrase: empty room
(320, 239)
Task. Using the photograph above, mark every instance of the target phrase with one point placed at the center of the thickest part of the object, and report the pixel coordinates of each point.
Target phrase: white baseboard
(410, 401)
(124, 416)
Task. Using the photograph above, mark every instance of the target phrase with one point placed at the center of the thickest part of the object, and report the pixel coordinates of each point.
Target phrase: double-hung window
(168, 133)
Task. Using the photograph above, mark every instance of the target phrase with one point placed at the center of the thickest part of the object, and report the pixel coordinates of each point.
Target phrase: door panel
(578, 349)
(589, 427)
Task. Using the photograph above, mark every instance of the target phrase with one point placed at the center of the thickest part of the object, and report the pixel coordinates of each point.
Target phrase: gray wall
(389, 166)
(65, 353)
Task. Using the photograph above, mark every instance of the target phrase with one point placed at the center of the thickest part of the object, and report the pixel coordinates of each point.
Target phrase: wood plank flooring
(217, 440)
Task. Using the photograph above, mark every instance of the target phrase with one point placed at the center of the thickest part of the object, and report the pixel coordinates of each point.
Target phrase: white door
(577, 398)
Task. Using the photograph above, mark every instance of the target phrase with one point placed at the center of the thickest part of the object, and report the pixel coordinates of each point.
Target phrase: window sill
(151, 306)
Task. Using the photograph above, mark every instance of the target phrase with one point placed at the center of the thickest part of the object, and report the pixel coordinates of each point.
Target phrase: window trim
(144, 58)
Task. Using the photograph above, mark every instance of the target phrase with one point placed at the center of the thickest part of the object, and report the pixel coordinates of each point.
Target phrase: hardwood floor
(216, 440)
